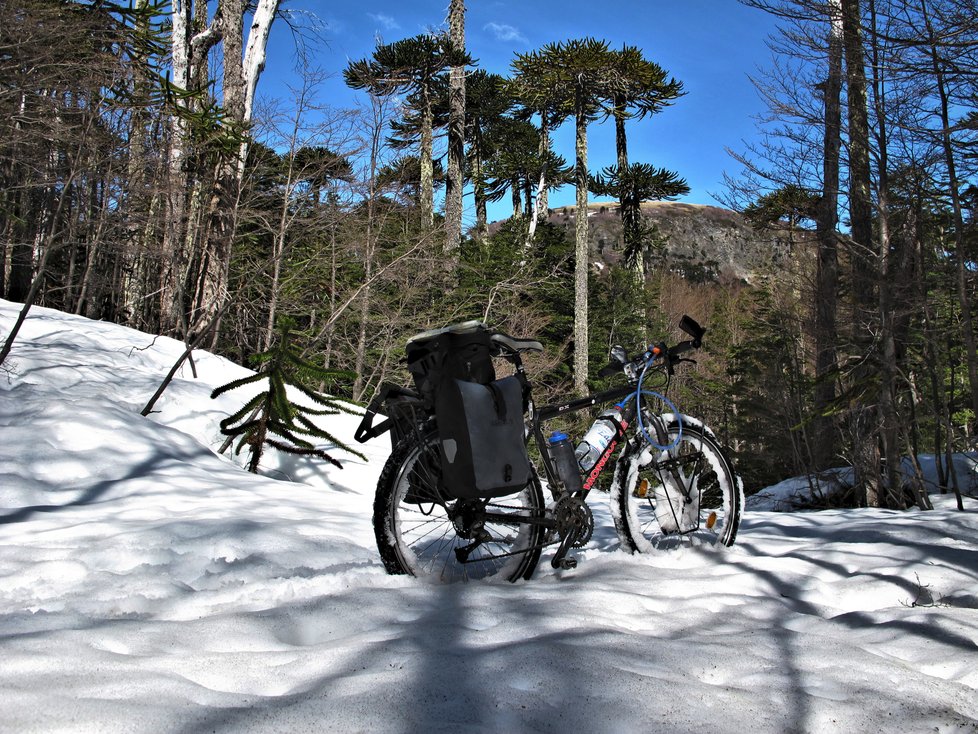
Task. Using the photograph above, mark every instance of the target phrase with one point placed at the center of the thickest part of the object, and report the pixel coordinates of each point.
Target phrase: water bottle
(596, 440)
(562, 453)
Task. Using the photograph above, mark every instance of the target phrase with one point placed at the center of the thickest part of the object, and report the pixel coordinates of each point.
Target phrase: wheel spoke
(421, 538)
(691, 494)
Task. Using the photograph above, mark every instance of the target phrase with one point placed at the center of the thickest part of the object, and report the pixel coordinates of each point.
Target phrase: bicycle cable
(639, 392)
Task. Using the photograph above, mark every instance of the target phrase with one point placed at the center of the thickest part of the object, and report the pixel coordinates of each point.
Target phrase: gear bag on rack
(480, 427)
(479, 418)
(458, 352)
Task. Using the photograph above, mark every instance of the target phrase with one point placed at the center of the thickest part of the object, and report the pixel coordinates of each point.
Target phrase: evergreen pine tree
(270, 418)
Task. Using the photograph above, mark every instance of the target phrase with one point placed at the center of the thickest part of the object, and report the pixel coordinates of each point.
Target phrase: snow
(148, 584)
(801, 491)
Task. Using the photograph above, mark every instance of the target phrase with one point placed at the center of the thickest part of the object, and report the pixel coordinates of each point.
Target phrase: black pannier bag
(479, 418)
(483, 453)
(458, 352)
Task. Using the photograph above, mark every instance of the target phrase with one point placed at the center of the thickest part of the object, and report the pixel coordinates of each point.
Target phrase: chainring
(574, 516)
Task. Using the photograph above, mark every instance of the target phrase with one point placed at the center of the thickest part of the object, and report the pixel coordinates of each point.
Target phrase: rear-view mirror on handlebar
(688, 325)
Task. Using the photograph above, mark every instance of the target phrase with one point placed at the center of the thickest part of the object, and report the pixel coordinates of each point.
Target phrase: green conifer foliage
(270, 417)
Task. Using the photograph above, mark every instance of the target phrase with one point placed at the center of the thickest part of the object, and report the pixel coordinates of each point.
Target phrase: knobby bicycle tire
(418, 529)
(686, 495)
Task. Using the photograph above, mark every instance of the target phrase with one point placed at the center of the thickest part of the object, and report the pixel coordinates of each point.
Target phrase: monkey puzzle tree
(533, 89)
(631, 185)
(639, 88)
(270, 417)
(487, 104)
(582, 75)
(414, 67)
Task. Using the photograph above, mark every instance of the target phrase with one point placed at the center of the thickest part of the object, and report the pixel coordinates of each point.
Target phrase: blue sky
(709, 45)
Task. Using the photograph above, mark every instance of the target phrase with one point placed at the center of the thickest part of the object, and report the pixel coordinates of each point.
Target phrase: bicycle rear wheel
(419, 530)
(686, 495)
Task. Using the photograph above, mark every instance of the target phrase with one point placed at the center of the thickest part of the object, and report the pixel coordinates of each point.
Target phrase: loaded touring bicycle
(460, 498)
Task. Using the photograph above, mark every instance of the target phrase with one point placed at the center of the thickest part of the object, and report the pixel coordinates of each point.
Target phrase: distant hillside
(714, 242)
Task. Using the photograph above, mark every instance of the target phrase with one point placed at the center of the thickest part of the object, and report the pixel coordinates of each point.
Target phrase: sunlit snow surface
(149, 585)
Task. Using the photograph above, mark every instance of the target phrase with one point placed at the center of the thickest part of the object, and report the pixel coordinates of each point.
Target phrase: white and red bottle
(606, 428)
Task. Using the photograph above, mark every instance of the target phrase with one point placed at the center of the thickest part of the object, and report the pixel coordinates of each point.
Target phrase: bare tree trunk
(891, 273)
(540, 202)
(481, 207)
(516, 197)
(278, 255)
(964, 301)
(581, 260)
(241, 77)
(376, 139)
(254, 65)
(189, 56)
(137, 202)
(93, 255)
(866, 419)
(456, 132)
(427, 164)
(46, 245)
(172, 296)
(827, 277)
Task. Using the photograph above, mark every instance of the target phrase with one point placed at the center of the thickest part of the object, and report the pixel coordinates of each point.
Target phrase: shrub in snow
(270, 418)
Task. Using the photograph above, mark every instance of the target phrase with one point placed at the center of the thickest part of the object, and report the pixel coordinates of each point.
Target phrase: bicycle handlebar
(669, 355)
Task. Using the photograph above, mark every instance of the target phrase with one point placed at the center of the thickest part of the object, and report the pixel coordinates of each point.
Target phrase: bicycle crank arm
(560, 559)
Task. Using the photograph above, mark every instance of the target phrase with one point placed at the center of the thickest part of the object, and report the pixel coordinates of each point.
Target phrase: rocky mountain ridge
(704, 241)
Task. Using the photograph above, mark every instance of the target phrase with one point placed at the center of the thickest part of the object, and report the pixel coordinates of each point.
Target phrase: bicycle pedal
(568, 563)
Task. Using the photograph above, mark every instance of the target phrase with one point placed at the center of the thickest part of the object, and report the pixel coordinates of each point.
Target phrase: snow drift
(148, 584)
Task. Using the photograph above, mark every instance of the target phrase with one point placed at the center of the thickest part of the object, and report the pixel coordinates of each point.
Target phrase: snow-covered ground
(148, 584)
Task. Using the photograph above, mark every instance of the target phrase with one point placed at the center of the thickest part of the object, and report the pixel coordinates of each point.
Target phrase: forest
(141, 184)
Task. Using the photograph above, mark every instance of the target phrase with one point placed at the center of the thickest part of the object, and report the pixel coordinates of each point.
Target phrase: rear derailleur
(469, 519)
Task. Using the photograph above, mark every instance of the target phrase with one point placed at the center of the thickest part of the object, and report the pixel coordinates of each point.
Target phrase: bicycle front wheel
(687, 494)
(421, 532)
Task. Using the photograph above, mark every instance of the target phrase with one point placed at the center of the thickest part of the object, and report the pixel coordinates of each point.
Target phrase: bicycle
(672, 483)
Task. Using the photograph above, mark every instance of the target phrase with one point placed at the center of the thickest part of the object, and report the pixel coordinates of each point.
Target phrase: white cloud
(504, 32)
(385, 20)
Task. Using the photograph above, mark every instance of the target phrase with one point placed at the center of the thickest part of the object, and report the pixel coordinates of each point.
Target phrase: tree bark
(188, 55)
(865, 418)
(456, 132)
(892, 275)
(243, 65)
(826, 223)
(427, 164)
(964, 300)
(581, 252)
(621, 143)
(860, 183)
(540, 203)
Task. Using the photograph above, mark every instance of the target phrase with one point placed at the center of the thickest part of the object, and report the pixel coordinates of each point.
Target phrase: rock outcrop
(702, 241)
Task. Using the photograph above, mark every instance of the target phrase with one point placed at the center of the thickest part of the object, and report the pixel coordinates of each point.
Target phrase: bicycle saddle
(465, 327)
(516, 345)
